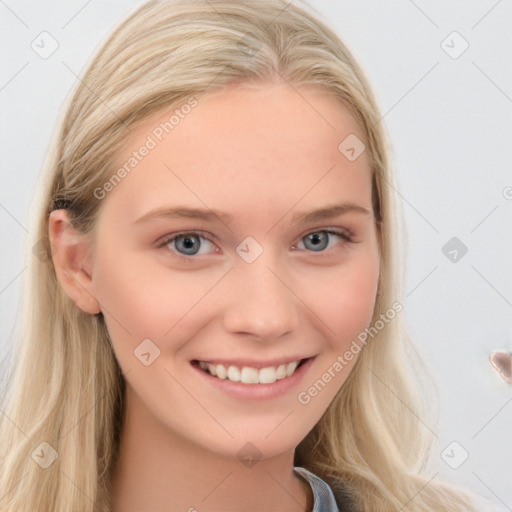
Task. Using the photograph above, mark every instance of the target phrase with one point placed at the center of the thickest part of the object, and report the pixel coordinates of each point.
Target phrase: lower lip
(257, 392)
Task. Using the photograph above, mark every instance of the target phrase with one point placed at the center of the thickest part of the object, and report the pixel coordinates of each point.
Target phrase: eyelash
(345, 234)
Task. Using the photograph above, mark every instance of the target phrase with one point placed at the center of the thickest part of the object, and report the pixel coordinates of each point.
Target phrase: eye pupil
(188, 242)
(319, 240)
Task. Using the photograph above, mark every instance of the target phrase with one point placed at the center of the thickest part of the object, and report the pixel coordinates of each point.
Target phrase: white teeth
(221, 371)
(268, 375)
(249, 375)
(291, 368)
(234, 374)
(281, 372)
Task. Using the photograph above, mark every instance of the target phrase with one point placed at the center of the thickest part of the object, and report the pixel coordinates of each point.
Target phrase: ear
(71, 253)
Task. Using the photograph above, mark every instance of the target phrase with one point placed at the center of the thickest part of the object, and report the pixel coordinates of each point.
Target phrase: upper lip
(240, 363)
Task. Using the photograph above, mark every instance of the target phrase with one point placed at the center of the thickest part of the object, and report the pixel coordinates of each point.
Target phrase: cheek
(345, 303)
(346, 299)
(131, 298)
(142, 299)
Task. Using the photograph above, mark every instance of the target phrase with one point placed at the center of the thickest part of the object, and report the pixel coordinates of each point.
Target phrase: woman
(213, 321)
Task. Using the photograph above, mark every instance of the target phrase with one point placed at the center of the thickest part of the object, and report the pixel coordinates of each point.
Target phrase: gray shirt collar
(323, 497)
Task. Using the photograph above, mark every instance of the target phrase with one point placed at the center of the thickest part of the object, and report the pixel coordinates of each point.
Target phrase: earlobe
(70, 253)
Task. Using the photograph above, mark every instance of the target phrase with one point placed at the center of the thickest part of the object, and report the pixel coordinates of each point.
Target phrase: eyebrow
(179, 212)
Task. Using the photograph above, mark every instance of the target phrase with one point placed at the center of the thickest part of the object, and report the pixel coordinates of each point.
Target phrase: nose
(260, 301)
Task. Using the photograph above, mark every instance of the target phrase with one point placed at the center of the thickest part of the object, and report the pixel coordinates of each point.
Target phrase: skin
(260, 152)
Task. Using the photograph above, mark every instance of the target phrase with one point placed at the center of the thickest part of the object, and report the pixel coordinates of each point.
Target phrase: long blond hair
(65, 387)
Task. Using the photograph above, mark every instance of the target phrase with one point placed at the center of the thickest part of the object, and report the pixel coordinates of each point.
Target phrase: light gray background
(449, 121)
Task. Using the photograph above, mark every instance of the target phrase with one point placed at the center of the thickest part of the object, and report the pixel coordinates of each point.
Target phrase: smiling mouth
(248, 374)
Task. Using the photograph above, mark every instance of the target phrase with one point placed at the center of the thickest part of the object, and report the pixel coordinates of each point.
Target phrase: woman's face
(258, 282)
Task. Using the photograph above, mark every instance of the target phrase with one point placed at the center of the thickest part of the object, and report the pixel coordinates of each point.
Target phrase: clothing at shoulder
(323, 497)
(325, 501)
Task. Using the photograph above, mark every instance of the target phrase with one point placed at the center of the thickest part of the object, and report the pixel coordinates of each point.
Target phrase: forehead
(261, 146)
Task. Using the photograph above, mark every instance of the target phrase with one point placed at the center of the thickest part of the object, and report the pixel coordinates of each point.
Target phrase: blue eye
(189, 243)
(319, 240)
